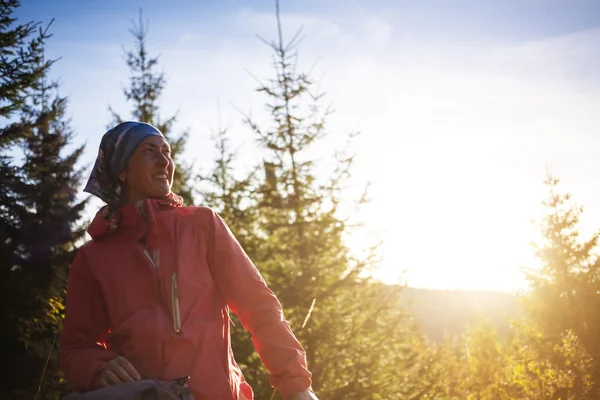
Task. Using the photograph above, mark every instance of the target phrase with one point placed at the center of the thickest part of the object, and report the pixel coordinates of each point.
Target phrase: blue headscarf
(116, 148)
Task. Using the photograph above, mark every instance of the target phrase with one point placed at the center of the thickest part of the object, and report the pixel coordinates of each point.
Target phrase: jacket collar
(131, 221)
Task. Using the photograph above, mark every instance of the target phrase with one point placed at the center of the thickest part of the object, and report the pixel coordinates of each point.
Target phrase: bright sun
(454, 227)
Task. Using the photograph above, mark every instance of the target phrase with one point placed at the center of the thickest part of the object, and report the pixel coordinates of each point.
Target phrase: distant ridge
(452, 311)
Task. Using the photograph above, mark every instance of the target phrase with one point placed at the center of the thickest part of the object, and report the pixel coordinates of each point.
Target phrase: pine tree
(355, 331)
(232, 197)
(49, 232)
(21, 63)
(21, 69)
(146, 85)
(565, 293)
(39, 212)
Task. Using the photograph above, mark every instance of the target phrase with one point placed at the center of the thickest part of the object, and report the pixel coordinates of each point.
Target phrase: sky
(463, 106)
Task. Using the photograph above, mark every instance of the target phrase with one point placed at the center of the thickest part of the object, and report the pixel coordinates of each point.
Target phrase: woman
(149, 296)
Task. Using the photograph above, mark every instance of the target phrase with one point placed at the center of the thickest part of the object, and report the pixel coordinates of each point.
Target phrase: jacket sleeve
(83, 352)
(259, 311)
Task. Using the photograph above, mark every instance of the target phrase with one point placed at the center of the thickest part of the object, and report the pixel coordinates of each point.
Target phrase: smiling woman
(149, 297)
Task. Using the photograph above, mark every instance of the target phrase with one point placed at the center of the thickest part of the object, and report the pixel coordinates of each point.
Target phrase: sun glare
(453, 227)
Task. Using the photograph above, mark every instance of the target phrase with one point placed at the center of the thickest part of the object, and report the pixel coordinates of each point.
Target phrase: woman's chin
(157, 190)
(160, 196)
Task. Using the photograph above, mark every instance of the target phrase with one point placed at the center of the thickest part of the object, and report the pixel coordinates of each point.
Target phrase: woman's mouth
(162, 176)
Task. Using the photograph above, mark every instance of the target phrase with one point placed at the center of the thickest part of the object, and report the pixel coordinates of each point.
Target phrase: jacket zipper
(150, 259)
(154, 260)
(175, 303)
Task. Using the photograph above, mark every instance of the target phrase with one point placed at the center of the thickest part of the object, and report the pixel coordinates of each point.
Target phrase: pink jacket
(158, 292)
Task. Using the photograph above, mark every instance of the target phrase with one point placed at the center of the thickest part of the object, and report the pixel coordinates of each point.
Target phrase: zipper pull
(150, 259)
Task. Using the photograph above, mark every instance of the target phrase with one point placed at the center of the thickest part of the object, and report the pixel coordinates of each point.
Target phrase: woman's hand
(118, 370)
(306, 395)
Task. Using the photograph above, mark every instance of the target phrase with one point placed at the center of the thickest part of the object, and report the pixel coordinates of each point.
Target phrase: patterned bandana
(116, 148)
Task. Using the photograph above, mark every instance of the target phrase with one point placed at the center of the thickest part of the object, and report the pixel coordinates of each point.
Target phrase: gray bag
(146, 389)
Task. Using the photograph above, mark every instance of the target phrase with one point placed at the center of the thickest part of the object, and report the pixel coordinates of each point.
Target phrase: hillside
(451, 311)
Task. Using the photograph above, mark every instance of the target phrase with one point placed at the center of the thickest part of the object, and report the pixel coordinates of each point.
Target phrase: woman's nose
(163, 159)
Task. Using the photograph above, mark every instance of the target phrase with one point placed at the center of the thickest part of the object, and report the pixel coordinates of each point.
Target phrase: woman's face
(149, 173)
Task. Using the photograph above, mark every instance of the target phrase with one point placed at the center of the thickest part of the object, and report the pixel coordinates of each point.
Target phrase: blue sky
(462, 105)
(502, 19)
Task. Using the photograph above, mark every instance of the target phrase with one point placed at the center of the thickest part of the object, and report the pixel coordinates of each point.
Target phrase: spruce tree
(49, 230)
(146, 85)
(231, 196)
(354, 330)
(39, 211)
(22, 63)
(565, 293)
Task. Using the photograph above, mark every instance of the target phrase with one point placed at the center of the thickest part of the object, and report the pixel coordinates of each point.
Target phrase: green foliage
(474, 365)
(234, 198)
(38, 211)
(22, 64)
(531, 365)
(540, 366)
(145, 88)
(565, 293)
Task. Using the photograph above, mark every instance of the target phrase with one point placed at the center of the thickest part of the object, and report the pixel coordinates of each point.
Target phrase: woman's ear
(122, 177)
